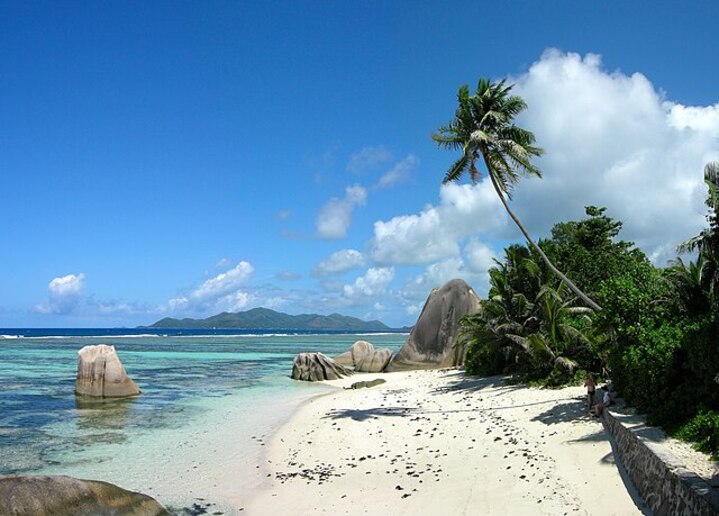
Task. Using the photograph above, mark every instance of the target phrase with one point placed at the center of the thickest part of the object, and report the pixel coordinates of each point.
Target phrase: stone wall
(661, 479)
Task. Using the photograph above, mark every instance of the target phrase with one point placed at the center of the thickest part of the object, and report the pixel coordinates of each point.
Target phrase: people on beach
(606, 401)
(591, 386)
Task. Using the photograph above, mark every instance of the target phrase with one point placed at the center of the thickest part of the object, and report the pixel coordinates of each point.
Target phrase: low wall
(662, 481)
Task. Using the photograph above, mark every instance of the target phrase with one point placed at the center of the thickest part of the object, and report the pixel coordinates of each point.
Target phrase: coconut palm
(707, 242)
(483, 127)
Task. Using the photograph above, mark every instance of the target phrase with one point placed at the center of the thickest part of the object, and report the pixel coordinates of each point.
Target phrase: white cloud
(614, 140)
(222, 263)
(283, 214)
(374, 283)
(400, 172)
(478, 257)
(339, 261)
(335, 217)
(415, 290)
(369, 158)
(288, 276)
(64, 294)
(223, 292)
(437, 231)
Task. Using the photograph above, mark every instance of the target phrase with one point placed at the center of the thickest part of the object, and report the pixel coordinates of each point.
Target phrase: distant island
(266, 319)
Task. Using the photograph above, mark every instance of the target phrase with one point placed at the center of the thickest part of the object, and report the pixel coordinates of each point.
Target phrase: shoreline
(435, 441)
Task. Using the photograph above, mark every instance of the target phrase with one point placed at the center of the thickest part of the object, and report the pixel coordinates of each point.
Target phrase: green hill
(266, 319)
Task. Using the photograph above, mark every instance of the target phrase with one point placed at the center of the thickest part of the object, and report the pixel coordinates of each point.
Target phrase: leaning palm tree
(707, 241)
(483, 127)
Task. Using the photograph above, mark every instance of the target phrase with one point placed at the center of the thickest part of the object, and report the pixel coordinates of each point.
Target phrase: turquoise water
(189, 384)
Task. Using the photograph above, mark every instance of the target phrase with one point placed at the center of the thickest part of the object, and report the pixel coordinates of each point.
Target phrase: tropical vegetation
(610, 311)
(483, 126)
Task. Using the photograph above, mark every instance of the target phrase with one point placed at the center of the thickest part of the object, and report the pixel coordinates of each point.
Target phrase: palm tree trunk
(587, 300)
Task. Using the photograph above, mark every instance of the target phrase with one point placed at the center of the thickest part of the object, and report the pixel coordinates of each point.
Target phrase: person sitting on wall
(606, 401)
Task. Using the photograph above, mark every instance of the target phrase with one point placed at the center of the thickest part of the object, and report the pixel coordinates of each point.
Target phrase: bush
(703, 430)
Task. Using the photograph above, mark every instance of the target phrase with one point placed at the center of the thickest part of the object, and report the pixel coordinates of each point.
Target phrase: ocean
(200, 389)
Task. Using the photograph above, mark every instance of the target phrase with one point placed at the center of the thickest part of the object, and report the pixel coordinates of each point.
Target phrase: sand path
(437, 442)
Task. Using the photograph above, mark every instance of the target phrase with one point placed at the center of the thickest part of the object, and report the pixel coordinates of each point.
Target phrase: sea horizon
(141, 331)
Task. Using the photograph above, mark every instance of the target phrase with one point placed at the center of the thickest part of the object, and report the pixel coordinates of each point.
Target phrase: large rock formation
(435, 341)
(364, 358)
(315, 367)
(101, 374)
(67, 496)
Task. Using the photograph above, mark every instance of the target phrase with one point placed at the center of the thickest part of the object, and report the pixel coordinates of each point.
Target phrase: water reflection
(103, 413)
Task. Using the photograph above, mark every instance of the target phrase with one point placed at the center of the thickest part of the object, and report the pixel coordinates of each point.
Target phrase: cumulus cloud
(400, 172)
(472, 267)
(223, 292)
(335, 217)
(613, 140)
(64, 294)
(437, 232)
(369, 158)
(373, 283)
(339, 261)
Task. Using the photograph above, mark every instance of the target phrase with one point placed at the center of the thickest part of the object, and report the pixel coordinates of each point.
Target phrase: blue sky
(185, 158)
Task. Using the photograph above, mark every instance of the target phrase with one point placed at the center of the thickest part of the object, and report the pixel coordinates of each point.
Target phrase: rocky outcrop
(315, 367)
(67, 496)
(435, 340)
(101, 374)
(364, 358)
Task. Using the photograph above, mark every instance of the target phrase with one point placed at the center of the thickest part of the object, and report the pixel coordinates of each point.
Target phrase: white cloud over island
(223, 292)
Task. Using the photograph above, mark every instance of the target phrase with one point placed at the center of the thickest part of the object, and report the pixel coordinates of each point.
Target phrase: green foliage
(703, 430)
(587, 251)
(656, 333)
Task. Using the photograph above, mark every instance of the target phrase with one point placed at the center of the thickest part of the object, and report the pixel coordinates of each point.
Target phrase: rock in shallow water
(315, 367)
(101, 374)
(435, 340)
(364, 358)
(61, 496)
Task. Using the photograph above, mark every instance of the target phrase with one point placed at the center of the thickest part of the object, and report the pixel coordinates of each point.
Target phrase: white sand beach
(437, 442)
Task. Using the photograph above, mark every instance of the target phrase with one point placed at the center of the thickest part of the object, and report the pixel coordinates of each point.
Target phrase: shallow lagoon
(191, 387)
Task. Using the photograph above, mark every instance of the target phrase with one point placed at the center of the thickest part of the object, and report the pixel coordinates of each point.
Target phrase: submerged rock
(315, 367)
(435, 340)
(101, 374)
(67, 496)
(364, 358)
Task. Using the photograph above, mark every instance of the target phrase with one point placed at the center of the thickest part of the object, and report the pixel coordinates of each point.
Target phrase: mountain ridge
(267, 319)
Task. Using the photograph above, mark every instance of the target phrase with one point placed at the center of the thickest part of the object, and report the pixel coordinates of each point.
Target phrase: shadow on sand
(573, 409)
(372, 413)
(460, 382)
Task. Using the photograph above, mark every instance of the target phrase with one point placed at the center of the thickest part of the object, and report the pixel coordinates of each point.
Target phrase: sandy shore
(437, 442)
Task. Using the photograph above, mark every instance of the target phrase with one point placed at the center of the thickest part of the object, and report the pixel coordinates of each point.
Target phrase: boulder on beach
(364, 358)
(368, 384)
(61, 496)
(100, 374)
(315, 367)
(435, 341)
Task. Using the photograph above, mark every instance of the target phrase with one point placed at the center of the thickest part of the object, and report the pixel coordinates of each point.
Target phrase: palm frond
(455, 171)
